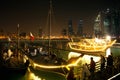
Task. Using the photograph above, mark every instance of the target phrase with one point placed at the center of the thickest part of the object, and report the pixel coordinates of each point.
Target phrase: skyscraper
(80, 28)
(116, 18)
(40, 32)
(112, 22)
(70, 28)
(98, 25)
(107, 23)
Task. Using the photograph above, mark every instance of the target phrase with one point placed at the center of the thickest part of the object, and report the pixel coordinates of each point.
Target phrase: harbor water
(32, 75)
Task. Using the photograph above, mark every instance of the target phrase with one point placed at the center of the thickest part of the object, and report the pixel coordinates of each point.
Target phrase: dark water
(32, 75)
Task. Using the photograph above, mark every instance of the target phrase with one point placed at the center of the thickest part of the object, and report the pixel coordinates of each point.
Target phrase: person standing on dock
(110, 61)
(102, 62)
(92, 68)
(92, 65)
(110, 65)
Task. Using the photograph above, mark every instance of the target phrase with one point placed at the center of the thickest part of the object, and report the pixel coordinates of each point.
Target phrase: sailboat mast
(17, 36)
(17, 41)
(50, 12)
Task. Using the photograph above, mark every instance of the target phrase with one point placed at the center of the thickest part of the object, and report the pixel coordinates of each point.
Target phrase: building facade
(80, 28)
(70, 28)
(112, 22)
(107, 23)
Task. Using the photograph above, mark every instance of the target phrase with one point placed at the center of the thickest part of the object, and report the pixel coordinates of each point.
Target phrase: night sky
(33, 14)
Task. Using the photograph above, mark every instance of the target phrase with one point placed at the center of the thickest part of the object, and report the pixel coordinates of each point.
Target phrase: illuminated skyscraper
(116, 18)
(107, 23)
(112, 22)
(98, 25)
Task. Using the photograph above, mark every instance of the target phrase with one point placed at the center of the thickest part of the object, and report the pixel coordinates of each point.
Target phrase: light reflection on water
(36, 75)
(32, 75)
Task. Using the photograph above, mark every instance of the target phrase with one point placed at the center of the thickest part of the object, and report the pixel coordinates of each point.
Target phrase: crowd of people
(109, 66)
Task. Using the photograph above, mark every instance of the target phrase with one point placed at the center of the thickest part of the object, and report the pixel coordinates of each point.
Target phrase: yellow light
(108, 52)
(35, 65)
(73, 54)
(48, 66)
(86, 59)
(32, 76)
(108, 38)
(96, 40)
(53, 67)
(92, 45)
(67, 68)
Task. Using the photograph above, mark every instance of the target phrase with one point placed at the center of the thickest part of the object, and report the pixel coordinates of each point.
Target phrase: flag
(31, 36)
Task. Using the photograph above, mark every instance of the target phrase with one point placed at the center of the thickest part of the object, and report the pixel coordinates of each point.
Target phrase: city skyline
(31, 15)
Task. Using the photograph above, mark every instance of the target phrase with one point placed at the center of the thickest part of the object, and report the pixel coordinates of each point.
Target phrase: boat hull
(90, 47)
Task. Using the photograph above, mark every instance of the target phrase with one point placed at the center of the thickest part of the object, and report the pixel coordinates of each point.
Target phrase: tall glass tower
(70, 28)
(98, 25)
(116, 18)
(112, 22)
(80, 28)
(108, 25)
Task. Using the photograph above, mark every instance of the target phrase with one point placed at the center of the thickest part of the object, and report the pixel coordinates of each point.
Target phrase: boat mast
(50, 11)
(18, 36)
(18, 57)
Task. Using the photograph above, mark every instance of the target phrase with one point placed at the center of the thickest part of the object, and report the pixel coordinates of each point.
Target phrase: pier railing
(78, 71)
(115, 77)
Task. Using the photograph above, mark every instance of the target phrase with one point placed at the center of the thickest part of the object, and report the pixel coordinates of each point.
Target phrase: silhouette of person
(110, 61)
(92, 65)
(102, 62)
(92, 68)
(110, 65)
